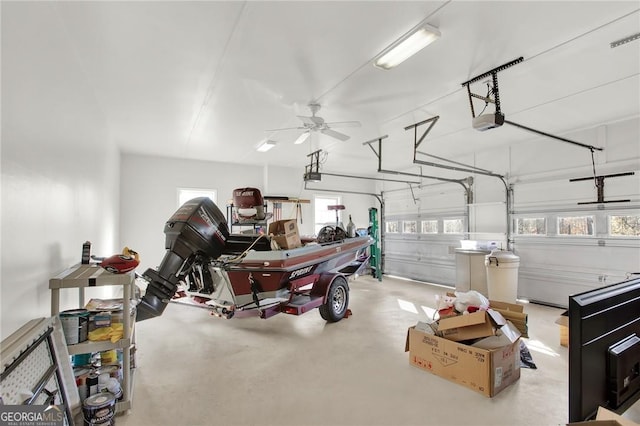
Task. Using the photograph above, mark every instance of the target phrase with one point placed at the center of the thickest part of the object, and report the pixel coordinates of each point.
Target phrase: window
(624, 226)
(186, 194)
(392, 227)
(531, 226)
(322, 215)
(576, 225)
(429, 227)
(453, 226)
(409, 227)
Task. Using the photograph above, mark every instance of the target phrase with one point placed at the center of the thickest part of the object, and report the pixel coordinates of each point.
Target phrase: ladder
(374, 231)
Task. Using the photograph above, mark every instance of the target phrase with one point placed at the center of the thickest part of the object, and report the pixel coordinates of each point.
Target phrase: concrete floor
(194, 369)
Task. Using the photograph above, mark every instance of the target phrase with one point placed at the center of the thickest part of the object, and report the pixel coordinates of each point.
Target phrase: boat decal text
(300, 272)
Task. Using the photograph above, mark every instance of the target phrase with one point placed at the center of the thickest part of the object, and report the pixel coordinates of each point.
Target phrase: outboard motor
(197, 228)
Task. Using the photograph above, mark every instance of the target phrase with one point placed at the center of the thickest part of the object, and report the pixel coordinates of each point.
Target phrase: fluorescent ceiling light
(303, 137)
(407, 46)
(266, 146)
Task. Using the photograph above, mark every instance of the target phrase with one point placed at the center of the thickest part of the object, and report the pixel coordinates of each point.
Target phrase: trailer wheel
(335, 307)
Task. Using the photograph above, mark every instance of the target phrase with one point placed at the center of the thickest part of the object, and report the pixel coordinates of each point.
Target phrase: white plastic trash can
(502, 275)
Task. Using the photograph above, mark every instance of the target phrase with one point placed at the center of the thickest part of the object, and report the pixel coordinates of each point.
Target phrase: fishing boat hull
(231, 274)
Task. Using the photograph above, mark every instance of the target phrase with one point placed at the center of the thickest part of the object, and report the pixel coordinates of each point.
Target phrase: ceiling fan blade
(285, 128)
(302, 138)
(344, 124)
(335, 134)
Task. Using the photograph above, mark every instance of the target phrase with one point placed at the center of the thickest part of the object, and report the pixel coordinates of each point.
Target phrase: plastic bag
(444, 306)
(466, 299)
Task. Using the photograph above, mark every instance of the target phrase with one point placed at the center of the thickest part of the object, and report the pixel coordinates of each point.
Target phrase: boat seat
(250, 206)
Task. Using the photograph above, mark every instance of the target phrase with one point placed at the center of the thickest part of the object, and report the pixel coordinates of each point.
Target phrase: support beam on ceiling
(416, 144)
(378, 154)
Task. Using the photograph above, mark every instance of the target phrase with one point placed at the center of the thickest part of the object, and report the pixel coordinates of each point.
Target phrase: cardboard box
(285, 233)
(427, 327)
(514, 313)
(605, 417)
(510, 311)
(563, 322)
(485, 371)
(470, 326)
(505, 335)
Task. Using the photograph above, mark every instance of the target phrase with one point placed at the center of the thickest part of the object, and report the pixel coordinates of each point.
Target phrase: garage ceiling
(204, 80)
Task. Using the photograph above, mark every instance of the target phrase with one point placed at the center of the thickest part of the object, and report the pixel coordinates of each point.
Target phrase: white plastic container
(502, 275)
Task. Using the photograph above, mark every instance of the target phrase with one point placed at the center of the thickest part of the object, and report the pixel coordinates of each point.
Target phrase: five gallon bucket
(75, 324)
(502, 275)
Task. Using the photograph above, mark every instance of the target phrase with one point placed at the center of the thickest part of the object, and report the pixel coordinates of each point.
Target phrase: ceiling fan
(317, 124)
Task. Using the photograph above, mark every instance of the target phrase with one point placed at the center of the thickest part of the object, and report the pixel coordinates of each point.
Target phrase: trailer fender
(321, 287)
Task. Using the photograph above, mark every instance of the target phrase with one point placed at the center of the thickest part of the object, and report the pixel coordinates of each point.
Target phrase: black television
(604, 349)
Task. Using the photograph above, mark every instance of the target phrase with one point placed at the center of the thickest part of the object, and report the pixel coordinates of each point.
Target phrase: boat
(246, 274)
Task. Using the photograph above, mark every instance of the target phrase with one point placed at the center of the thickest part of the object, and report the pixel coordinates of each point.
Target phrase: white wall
(60, 171)
(149, 195)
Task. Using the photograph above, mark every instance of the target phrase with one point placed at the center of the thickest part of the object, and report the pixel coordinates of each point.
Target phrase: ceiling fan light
(266, 146)
(303, 137)
(407, 46)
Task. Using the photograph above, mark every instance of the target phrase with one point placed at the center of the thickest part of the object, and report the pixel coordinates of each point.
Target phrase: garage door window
(531, 226)
(624, 226)
(453, 226)
(409, 227)
(391, 227)
(429, 227)
(576, 225)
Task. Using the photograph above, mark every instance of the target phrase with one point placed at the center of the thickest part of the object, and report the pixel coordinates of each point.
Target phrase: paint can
(99, 409)
(81, 374)
(92, 384)
(75, 325)
(86, 253)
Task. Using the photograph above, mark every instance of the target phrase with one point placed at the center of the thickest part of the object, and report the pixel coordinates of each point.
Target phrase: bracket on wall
(498, 118)
(599, 181)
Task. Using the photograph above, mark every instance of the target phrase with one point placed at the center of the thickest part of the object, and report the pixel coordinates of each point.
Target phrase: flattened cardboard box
(505, 335)
(563, 322)
(605, 417)
(514, 313)
(485, 371)
(285, 233)
(470, 326)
